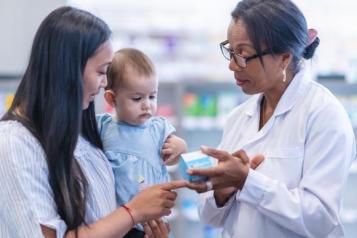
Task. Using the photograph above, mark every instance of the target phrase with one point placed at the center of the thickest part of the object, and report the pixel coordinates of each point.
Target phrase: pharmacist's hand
(173, 147)
(221, 196)
(231, 171)
(155, 202)
(156, 229)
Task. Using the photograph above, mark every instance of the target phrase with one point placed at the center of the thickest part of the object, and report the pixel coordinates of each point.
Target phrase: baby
(137, 143)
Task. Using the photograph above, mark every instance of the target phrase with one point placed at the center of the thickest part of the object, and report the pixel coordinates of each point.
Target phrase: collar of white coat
(295, 90)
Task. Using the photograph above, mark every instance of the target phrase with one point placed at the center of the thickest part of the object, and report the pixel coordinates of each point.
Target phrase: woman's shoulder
(319, 98)
(19, 148)
(84, 148)
(15, 132)
(11, 126)
(318, 90)
(85, 151)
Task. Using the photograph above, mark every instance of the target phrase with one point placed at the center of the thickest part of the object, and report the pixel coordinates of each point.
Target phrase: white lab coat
(308, 146)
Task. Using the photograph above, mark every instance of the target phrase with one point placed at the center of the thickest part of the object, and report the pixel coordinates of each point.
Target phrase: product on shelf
(190, 104)
(2, 104)
(8, 100)
(5, 101)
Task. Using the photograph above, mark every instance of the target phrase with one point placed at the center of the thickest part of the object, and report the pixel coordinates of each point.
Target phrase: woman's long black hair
(49, 101)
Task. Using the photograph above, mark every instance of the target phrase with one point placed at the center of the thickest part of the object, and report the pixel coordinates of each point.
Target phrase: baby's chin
(144, 118)
(140, 121)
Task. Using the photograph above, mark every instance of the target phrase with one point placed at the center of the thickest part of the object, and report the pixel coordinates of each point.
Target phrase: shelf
(202, 123)
(10, 77)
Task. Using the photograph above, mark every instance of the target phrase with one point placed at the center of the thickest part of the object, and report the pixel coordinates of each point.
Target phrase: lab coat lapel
(295, 90)
(256, 135)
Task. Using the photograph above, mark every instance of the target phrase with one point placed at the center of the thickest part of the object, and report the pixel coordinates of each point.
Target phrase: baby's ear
(109, 97)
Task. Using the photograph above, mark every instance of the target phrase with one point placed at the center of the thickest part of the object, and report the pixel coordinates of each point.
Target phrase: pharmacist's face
(254, 78)
(136, 98)
(94, 76)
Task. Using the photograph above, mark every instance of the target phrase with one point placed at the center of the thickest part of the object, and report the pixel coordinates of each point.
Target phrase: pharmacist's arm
(312, 208)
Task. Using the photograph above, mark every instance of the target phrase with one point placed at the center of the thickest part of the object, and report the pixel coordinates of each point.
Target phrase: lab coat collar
(294, 91)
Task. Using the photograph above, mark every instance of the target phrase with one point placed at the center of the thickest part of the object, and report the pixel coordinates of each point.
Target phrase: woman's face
(254, 78)
(95, 72)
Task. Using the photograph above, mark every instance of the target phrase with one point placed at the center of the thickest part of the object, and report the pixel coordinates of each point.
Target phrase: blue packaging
(196, 160)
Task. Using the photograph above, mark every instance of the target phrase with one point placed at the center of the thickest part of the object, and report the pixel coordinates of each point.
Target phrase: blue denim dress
(134, 153)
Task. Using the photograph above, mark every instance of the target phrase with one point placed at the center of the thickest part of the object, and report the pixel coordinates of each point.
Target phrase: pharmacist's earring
(286, 59)
(109, 97)
(284, 75)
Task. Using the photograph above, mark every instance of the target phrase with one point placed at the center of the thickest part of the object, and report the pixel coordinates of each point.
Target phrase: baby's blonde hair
(124, 58)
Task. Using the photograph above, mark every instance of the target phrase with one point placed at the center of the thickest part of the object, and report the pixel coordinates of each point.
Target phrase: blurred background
(196, 88)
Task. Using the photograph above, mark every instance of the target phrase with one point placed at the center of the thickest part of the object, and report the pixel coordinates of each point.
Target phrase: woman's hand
(173, 147)
(155, 202)
(230, 173)
(221, 196)
(156, 229)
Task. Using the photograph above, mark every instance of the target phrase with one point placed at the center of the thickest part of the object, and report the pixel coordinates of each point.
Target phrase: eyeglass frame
(234, 54)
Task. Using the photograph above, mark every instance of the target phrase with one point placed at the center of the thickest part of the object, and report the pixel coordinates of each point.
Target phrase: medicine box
(194, 160)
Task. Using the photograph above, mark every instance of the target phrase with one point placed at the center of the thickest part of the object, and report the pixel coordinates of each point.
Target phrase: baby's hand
(173, 147)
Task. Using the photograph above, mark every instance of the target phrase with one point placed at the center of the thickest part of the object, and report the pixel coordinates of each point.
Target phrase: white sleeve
(312, 208)
(26, 198)
(210, 213)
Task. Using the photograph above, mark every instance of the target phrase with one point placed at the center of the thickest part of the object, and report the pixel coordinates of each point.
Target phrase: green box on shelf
(207, 105)
(191, 104)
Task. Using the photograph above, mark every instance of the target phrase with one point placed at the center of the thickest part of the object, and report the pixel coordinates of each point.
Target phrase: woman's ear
(109, 97)
(286, 59)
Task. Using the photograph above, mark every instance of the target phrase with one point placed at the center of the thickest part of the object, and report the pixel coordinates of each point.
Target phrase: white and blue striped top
(26, 198)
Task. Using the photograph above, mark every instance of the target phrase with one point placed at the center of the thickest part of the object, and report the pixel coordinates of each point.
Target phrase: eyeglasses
(240, 60)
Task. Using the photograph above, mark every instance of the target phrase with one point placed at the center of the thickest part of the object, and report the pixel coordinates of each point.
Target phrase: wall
(19, 20)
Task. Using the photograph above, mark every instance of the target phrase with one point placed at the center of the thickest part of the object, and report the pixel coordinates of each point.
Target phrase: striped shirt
(26, 198)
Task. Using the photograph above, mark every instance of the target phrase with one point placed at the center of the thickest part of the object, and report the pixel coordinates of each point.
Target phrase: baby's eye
(152, 97)
(136, 99)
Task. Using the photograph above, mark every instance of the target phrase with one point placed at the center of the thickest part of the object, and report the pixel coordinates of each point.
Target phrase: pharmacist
(298, 126)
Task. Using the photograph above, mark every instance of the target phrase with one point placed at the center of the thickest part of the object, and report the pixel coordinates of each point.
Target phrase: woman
(298, 126)
(56, 182)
